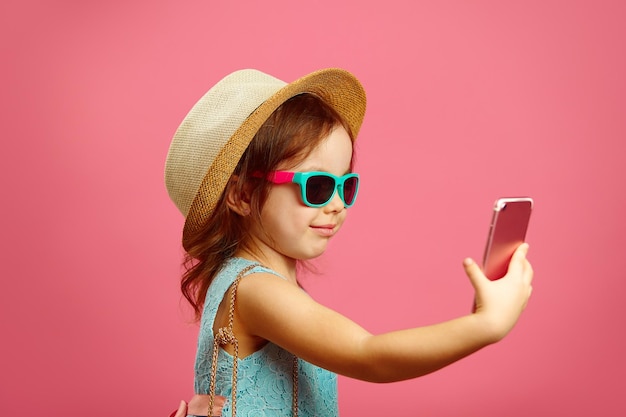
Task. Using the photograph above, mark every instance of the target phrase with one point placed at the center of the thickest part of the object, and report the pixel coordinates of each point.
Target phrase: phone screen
(508, 228)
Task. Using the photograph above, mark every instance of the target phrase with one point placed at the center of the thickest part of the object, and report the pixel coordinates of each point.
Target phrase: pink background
(468, 101)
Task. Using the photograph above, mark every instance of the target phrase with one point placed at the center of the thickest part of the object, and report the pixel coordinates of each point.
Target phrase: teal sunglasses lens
(321, 188)
(350, 187)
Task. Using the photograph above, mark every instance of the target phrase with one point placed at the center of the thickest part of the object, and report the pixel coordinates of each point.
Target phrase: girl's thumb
(473, 272)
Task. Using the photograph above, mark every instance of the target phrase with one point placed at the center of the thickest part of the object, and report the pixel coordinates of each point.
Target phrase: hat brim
(337, 87)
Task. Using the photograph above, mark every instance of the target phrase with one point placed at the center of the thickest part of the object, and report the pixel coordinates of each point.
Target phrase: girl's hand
(500, 303)
(182, 410)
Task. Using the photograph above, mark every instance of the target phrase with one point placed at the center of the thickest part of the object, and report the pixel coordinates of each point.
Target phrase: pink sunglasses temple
(280, 177)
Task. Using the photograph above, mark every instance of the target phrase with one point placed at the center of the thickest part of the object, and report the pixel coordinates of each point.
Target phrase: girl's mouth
(326, 230)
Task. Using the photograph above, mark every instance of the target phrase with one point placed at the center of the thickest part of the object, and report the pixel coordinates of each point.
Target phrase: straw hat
(208, 144)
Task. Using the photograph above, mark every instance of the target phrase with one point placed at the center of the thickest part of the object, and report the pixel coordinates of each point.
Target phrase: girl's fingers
(474, 273)
(182, 410)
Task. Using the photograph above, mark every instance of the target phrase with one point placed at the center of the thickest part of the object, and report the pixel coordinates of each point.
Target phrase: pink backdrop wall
(468, 101)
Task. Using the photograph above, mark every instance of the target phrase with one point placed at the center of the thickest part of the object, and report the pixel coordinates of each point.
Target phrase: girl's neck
(283, 265)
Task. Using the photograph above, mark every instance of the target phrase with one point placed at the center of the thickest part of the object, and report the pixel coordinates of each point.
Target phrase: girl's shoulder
(231, 270)
(235, 265)
(224, 280)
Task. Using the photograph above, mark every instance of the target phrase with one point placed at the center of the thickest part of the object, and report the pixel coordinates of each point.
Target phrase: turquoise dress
(265, 378)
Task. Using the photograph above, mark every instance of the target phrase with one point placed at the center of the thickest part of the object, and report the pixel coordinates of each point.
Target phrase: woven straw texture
(215, 133)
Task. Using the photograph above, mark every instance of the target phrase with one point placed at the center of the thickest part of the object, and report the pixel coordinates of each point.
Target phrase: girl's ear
(236, 199)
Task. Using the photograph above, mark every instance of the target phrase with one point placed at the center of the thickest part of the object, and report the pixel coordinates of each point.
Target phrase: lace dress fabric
(265, 381)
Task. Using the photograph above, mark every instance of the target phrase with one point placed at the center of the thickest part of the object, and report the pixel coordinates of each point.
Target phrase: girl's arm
(275, 310)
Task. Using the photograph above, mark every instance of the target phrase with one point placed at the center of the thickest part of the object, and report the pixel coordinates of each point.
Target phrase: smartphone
(509, 224)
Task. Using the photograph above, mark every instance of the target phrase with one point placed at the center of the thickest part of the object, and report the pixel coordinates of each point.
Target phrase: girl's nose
(335, 204)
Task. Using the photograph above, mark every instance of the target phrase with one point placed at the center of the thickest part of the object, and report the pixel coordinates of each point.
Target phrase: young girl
(262, 171)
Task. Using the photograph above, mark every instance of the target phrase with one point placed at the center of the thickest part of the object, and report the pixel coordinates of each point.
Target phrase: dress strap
(225, 336)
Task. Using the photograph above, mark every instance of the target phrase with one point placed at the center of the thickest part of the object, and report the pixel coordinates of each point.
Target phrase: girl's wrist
(491, 329)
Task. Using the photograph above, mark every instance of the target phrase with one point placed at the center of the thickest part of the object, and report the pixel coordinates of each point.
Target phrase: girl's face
(292, 230)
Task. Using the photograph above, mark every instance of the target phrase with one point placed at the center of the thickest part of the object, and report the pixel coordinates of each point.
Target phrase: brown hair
(291, 132)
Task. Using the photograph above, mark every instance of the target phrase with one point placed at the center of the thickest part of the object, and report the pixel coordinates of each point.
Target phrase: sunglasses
(318, 188)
